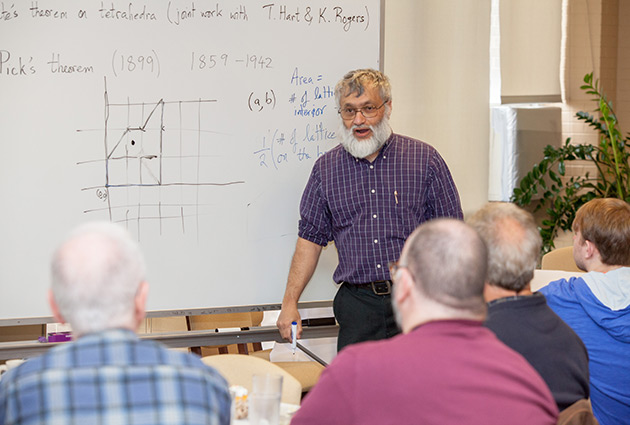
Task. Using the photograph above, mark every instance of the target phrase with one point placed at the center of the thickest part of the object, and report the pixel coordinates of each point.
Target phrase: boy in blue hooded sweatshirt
(597, 304)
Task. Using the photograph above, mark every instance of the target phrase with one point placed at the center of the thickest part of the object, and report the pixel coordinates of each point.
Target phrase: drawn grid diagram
(162, 165)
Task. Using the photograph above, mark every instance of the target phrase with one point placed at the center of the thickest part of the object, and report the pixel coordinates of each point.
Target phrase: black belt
(380, 287)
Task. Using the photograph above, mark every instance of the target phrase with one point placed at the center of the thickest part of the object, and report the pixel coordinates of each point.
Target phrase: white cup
(14, 363)
(10, 364)
(264, 401)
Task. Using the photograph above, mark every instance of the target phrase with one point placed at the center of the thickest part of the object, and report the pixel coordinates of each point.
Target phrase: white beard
(364, 148)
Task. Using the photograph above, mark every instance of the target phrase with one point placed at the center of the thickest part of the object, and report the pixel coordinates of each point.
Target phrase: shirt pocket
(346, 207)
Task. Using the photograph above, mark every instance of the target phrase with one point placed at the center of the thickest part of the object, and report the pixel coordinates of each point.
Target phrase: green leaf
(525, 185)
(561, 168)
(554, 177)
(536, 173)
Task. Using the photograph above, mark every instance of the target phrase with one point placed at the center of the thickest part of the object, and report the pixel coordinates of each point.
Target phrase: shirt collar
(381, 153)
(513, 298)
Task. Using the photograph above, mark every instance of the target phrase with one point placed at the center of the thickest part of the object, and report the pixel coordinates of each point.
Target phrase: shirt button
(373, 191)
(378, 266)
(375, 240)
(374, 216)
(371, 167)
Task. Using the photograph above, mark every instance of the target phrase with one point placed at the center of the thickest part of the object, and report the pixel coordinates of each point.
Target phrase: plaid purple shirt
(369, 209)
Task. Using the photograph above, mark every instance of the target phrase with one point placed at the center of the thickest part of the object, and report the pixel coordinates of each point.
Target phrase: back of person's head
(513, 242)
(96, 274)
(606, 223)
(448, 260)
(358, 80)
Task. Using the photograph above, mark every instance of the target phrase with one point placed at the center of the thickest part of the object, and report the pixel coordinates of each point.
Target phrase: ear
(404, 286)
(54, 307)
(140, 302)
(590, 250)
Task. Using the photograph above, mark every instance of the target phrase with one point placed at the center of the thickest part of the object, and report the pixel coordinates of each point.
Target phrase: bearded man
(367, 195)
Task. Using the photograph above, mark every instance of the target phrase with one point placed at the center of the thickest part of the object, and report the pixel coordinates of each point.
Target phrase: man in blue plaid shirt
(108, 375)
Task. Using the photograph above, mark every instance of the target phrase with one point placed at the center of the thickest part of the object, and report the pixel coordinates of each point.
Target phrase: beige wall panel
(437, 56)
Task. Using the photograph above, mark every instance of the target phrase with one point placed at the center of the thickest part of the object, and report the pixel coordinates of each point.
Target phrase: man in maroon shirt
(446, 368)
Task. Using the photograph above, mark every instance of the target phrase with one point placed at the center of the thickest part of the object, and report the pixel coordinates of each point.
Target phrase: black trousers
(362, 315)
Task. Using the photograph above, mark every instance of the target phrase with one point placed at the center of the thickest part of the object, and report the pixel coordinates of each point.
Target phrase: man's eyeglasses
(368, 111)
(394, 267)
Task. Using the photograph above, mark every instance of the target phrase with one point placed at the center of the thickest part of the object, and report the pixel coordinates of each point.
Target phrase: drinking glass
(264, 401)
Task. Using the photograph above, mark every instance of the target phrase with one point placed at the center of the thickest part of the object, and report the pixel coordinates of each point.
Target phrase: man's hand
(288, 315)
(302, 267)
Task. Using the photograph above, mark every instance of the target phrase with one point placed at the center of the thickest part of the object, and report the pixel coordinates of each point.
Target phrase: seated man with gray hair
(108, 375)
(522, 320)
(445, 368)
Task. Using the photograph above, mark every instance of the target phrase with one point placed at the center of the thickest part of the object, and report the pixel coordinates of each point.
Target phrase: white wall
(437, 57)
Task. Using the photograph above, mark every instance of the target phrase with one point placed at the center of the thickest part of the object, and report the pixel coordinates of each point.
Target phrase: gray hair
(448, 260)
(513, 242)
(358, 80)
(96, 273)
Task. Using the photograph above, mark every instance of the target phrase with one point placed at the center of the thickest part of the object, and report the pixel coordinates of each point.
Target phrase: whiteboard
(193, 124)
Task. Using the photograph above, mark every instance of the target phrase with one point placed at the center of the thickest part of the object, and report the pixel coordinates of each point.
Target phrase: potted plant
(563, 196)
